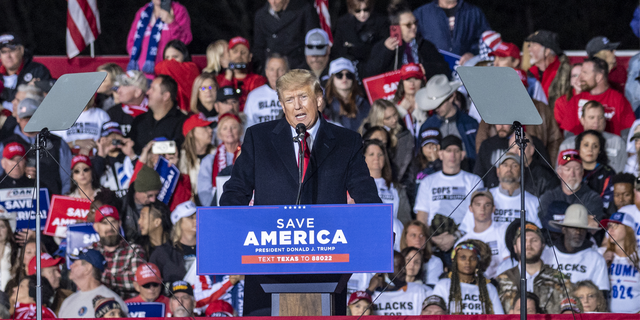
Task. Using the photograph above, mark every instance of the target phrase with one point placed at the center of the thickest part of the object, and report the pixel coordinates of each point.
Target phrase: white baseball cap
(340, 64)
(182, 210)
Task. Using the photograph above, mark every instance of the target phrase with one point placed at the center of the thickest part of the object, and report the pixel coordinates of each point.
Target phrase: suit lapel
(322, 147)
(283, 145)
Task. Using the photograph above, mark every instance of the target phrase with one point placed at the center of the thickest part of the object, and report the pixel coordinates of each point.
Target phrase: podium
(300, 256)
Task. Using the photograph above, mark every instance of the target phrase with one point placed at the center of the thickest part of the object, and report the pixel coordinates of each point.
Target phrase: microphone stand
(301, 138)
(41, 142)
(521, 141)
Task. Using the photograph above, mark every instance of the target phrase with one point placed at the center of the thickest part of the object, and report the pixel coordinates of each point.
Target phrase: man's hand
(376, 281)
(234, 279)
(144, 155)
(465, 57)
(127, 148)
(391, 43)
(86, 145)
(444, 241)
(105, 146)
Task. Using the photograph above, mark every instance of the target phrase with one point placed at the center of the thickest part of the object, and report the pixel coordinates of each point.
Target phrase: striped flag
(322, 7)
(83, 25)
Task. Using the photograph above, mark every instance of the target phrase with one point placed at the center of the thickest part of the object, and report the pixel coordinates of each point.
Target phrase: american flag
(83, 25)
(322, 7)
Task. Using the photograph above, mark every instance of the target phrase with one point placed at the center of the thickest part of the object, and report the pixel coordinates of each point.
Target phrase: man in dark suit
(267, 166)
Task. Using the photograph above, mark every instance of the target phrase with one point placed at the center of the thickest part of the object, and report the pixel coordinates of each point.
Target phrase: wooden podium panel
(300, 304)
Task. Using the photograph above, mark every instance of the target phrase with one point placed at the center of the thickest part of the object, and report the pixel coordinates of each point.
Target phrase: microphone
(301, 129)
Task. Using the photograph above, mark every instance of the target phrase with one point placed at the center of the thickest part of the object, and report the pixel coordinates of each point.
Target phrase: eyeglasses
(361, 10)
(206, 88)
(83, 170)
(150, 285)
(410, 24)
(318, 47)
(349, 75)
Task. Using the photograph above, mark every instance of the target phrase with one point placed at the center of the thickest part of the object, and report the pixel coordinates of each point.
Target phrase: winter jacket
(332, 112)
(470, 23)
(467, 127)
(30, 70)
(170, 261)
(354, 39)
(599, 180)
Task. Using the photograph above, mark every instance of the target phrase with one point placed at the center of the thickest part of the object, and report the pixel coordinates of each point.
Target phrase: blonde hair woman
(203, 95)
(217, 57)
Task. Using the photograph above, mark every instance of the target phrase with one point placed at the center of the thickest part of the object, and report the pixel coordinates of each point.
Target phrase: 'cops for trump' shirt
(407, 301)
(262, 105)
(507, 209)
(470, 297)
(494, 238)
(586, 264)
(88, 126)
(441, 193)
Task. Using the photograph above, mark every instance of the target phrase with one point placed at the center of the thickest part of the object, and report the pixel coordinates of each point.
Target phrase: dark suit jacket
(267, 164)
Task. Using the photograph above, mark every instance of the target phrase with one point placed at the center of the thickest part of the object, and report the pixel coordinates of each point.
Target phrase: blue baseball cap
(94, 257)
(620, 218)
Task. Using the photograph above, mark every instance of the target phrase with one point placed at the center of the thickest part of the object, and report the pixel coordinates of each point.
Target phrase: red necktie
(307, 154)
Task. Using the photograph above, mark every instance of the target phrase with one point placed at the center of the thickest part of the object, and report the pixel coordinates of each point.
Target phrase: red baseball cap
(46, 261)
(358, 295)
(194, 121)
(411, 70)
(13, 149)
(80, 158)
(148, 273)
(568, 155)
(506, 49)
(219, 308)
(238, 40)
(106, 211)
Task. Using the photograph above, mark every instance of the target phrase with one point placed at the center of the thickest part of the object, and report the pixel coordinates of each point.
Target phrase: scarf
(4, 72)
(152, 49)
(135, 111)
(221, 161)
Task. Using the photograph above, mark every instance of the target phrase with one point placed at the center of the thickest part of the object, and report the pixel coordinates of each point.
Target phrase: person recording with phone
(267, 167)
(239, 74)
(113, 161)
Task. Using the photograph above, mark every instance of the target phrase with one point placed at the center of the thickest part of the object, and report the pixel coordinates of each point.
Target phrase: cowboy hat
(576, 216)
(437, 90)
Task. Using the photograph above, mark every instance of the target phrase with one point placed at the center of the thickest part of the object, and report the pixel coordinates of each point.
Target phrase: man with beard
(573, 253)
(549, 65)
(595, 86)
(182, 301)
(535, 166)
(571, 190)
(545, 282)
(122, 259)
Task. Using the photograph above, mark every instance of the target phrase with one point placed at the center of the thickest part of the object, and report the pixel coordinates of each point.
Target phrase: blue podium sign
(339, 238)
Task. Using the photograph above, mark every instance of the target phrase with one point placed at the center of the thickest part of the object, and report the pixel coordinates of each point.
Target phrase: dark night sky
(42, 22)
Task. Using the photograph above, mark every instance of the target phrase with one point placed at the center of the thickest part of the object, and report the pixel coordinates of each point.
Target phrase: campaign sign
(21, 203)
(65, 211)
(79, 235)
(338, 238)
(169, 175)
(382, 86)
(146, 309)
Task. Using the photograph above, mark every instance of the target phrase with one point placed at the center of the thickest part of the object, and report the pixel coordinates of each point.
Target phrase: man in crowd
(14, 166)
(434, 305)
(317, 50)
(604, 49)
(634, 208)
(238, 75)
(132, 89)
(163, 119)
(439, 95)
(452, 25)
(182, 302)
(623, 194)
(593, 118)
(110, 163)
(549, 65)
(86, 274)
(539, 177)
(57, 180)
(227, 100)
(508, 55)
(51, 270)
(574, 251)
(571, 191)
(506, 196)
(122, 259)
(262, 103)
(595, 86)
(17, 67)
(22, 92)
(542, 280)
(142, 192)
(148, 284)
(280, 26)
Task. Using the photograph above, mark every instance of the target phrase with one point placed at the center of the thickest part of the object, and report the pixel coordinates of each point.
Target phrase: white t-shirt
(470, 296)
(80, 303)
(494, 237)
(507, 209)
(262, 105)
(432, 270)
(404, 302)
(440, 193)
(388, 195)
(633, 211)
(625, 285)
(587, 264)
(88, 126)
(358, 282)
(398, 227)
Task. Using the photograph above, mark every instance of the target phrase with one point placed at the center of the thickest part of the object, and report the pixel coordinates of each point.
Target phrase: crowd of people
(453, 180)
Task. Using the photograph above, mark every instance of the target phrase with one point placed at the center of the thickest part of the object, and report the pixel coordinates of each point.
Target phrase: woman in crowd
(174, 258)
(107, 97)
(415, 235)
(470, 260)
(144, 46)
(562, 102)
(592, 298)
(19, 270)
(229, 133)
(176, 50)
(415, 268)
(8, 252)
(426, 162)
(178, 65)
(197, 144)
(346, 104)
(411, 80)
(86, 182)
(203, 95)
(597, 173)
(217, 57)
(375, 155)
(621, 255)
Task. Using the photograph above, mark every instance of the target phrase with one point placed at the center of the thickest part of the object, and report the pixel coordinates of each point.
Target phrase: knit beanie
(103, 305)
(147, 180)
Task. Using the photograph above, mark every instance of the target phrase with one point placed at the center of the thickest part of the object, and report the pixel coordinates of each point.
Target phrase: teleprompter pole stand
(521, 141)
(41, 142)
